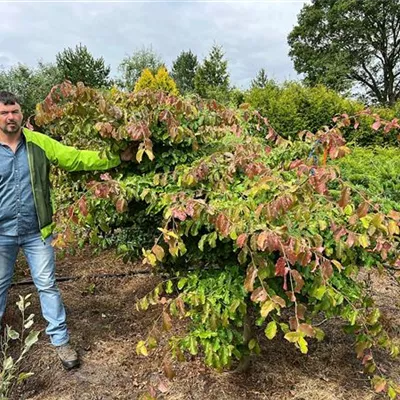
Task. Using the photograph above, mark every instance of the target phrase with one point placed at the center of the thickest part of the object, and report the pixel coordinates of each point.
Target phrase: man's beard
(12, 128)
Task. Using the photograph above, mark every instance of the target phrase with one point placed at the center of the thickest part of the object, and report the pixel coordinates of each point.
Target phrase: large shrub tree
(249, 223)
(184, 70)
(79, 65)
(348, 43)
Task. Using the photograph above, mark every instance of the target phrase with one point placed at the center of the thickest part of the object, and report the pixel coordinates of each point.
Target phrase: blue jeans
(41, 260)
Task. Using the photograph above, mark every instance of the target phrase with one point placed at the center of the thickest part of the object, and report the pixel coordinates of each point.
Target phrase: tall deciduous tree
(212, 77)
(79, 65)
(31, 85)
(184, 70)
(347, 43)
(132, 66)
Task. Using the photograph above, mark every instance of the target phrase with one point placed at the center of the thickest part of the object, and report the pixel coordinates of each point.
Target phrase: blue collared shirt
(17, 207)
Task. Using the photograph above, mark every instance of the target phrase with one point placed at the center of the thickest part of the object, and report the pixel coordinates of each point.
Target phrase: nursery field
(105, 327)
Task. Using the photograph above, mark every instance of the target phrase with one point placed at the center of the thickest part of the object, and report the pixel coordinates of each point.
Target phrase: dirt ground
(105, 327)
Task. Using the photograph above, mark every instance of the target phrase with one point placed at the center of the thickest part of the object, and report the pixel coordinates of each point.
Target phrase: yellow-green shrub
(160, 81)
(145, 81)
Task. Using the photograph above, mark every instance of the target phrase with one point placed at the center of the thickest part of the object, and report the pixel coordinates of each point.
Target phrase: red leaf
(83, 206)
(251, 275)
(307, 329)
(179, 214)
(376, 125)
(293, 324)
(298, 279)
(339, 233)
(280, 267)
(72, 216)
(262, 240)
(105, 177)
(291, 296)
(222, 224)
(259, 295)
(394, 215)
(366, 358)
(181, 306)
(351, 239)
(380, 385)
(190, 209)
(326, 269)
(301, 311)
(362, 209)
(304, 258)
(345, 197)
(241, 240)
(168, 371)
(121, 205)
(278, 300)
(167, 321)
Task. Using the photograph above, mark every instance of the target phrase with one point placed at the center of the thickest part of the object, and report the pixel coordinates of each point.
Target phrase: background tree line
(347, 51)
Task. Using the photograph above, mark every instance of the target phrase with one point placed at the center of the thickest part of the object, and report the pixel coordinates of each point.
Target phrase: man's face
(10, 118)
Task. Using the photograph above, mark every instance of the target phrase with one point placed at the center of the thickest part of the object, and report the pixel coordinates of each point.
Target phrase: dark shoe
(68, 356)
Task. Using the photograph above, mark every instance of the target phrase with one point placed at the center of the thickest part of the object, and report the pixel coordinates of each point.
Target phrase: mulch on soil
(105, 328)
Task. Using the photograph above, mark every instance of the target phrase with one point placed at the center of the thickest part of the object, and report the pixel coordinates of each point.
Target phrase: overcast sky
(253, 34)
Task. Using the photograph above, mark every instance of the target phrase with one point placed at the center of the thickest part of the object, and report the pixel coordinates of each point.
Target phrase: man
(26, 212)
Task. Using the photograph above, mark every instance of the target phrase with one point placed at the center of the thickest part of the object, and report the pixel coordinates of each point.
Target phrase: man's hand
(128, 153)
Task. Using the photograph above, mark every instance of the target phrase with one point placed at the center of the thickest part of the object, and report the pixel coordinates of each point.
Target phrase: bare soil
(105, 328)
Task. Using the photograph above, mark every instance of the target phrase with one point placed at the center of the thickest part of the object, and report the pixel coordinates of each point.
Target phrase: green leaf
(293, 337)
(141, 348)
(391, 393)
(8, 363)
(201, 242)
(252, 344)
(271, 329)
(318, 292)
(144, 303)
(364, 241)
(23, 376)
(159, 252)
(31, 339)
(152, 342)
(139, 155)
(225, 355)
(365, 221)
(12, 334)
(192, 346)
(303, 345)
(182, 282)
(169, 287)
(319, 334)
(267, 307)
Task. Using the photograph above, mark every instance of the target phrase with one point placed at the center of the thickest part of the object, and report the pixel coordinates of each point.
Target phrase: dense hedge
(375, 172)
(293, 107)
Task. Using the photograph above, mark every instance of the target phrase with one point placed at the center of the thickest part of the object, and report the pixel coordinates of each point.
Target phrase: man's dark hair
(8, 98)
